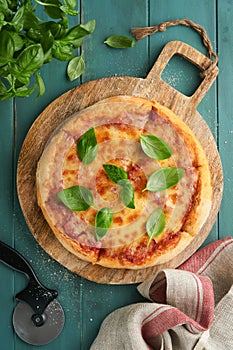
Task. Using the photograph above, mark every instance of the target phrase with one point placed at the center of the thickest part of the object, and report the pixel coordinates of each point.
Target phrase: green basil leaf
(30, 59)
(48, 56)
(115, 173)
(29, 20)
(127, 193)
(154, 147)
(71, 3)
(103, 222)
(3, 89)
(87, 146)
(18, 19)
(13, 4)
(74, 42)
(155, 224)
(47, 44)
(164, 178)
(2, 22)
(27, 63)
(8, 12)
(7, 46)
(88, 27)
(79, 31)
(25, 80)
(3, 61)
(3, 5)
(40, 84)
(52, 8)
(23, 91)
(68, 10)
(56, 29)
(77, 43)
(68, 39)
(35, 33)
(119, 42)
(18, 41)
(76, 198)
(62, 52)
(4, 70)
(75, 67)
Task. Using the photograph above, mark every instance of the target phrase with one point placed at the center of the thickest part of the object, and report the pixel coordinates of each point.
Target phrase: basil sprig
(120, 177)
(155, 224)
(154, 147)
(27, 43)
(119, 41)
(103, 222)
(76, 198)
(163, 179)
(87, 147)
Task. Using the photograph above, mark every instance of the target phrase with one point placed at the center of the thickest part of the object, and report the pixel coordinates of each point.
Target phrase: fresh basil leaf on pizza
(155, 147)
(103, 220)
(127, 193)
(155, 224)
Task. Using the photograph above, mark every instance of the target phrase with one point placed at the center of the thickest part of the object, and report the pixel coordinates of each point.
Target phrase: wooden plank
(6, 219)
(179, 74)
(225, 48)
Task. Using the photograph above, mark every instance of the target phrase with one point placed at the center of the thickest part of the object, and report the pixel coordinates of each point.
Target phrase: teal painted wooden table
(87, 303)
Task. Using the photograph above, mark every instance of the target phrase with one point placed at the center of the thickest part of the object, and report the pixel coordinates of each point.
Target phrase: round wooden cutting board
(152, 88)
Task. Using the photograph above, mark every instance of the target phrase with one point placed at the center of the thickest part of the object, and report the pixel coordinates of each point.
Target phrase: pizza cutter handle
(195, 57)
(35, 294)
(15, 260)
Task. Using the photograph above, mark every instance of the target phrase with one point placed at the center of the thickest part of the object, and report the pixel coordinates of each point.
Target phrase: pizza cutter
(38, 317)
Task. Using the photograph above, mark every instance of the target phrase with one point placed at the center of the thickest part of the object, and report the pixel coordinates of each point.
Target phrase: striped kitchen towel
(190, 307)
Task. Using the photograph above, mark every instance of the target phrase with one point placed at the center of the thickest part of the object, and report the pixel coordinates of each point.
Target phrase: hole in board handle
(182, 75)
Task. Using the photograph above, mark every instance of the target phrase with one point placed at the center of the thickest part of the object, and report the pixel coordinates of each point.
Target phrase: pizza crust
(49, 179)
(163, 254)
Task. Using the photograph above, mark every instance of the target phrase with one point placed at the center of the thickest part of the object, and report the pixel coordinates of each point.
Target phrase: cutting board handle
(196, 58)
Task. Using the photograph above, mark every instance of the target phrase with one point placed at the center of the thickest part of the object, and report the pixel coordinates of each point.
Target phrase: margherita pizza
(124, 184)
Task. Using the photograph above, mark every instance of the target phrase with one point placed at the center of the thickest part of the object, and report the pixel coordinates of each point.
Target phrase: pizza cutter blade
(38, 317)
(38, 335)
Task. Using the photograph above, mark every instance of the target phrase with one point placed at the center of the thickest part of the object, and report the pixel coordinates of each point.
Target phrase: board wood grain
(152, 88)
